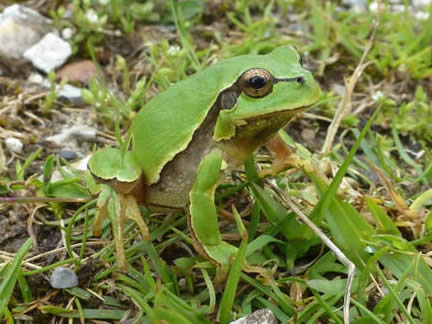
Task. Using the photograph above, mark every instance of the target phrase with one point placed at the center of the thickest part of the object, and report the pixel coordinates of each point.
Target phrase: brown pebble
(78, 72)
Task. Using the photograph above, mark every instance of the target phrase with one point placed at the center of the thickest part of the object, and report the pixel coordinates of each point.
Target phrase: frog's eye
(256, 82)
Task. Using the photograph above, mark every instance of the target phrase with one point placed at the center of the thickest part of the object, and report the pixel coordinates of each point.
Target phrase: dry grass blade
(344, 107)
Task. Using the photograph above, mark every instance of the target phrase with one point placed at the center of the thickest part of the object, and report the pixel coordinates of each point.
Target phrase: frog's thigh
(203, 212)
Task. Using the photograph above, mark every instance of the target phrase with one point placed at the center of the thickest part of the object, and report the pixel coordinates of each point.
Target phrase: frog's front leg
(203, 218)
(117, 199)
(283, 156)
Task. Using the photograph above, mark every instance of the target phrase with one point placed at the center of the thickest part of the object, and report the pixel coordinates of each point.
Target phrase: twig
(23, 200)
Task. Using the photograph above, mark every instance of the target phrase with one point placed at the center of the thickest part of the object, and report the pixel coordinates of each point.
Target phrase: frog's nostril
(300, 79)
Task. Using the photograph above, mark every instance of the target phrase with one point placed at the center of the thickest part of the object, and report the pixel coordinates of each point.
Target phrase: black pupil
(257, 81)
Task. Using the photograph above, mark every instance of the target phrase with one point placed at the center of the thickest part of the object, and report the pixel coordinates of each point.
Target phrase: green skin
(183, 136)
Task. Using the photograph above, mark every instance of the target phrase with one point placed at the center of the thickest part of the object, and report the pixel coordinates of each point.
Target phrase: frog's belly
(170, 193)
(177, 178)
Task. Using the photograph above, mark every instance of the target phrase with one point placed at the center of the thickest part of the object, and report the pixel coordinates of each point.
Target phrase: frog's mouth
(261, 127)
(270, 115)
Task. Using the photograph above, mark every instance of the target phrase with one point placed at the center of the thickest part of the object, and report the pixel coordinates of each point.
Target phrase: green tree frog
(182, 138)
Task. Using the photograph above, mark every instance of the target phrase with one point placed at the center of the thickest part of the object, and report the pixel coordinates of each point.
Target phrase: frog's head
(264, 98)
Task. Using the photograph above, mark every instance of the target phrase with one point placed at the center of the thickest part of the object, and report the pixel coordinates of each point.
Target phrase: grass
(376, 208)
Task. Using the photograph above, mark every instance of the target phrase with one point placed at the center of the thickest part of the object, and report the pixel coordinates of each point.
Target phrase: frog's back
(166, 124)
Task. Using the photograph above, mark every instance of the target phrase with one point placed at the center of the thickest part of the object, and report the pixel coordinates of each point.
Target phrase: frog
(186, 138)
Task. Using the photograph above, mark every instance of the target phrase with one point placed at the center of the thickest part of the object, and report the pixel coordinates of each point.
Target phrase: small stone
(82, 164)
(71, 93)
(261, 316)
(36, 78)
(68, 155)
(21, 28)
(14, 145)
(25, 14)
(67, 33)
(63, 278)
(81, 71)
(77, 132)
(358, 6)
(49, 53)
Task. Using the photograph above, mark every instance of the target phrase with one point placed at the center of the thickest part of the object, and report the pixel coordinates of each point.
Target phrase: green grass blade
(106, 314)
(11, 276)
(233, 279)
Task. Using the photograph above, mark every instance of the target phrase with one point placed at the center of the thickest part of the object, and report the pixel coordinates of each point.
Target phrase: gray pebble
(68, 155)
(261, 316)
(20, 28)
(77, 133)
(63, 278)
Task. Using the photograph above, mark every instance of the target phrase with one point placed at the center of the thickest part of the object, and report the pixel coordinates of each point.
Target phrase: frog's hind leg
(203, 218)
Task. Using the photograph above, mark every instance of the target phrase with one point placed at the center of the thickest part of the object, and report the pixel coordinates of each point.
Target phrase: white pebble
(49, 53)
(67, 33)
(14, 145)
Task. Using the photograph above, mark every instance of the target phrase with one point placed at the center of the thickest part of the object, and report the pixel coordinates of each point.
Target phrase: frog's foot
(263, 273)
(211, 247)
(221, 255)
(283, 156)
(133, 212)
(118, 207)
